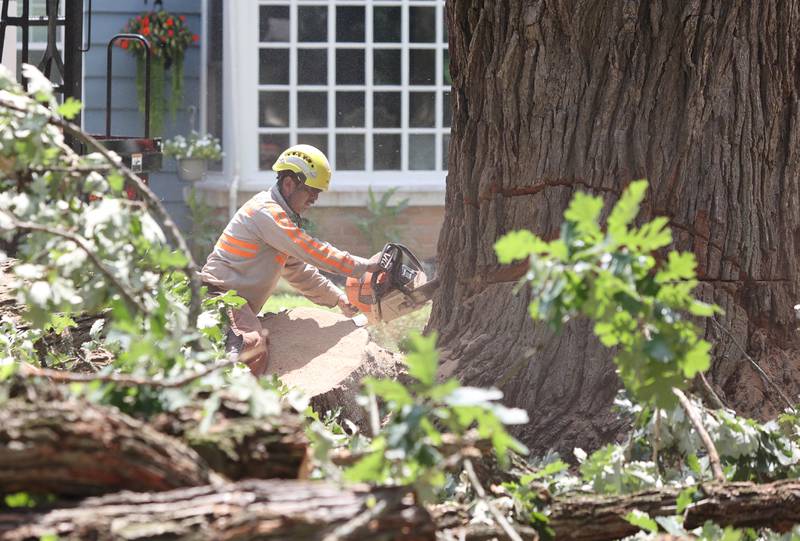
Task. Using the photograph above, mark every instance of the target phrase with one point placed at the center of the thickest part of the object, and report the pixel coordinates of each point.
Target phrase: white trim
(243, 131)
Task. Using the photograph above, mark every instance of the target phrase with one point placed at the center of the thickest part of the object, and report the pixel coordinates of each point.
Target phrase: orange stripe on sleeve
(281, 258)
(240, 243)
(307, 244)
(232, 249)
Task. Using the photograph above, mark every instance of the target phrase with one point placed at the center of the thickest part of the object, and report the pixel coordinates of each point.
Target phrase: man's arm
(277, 230)
(311, 283)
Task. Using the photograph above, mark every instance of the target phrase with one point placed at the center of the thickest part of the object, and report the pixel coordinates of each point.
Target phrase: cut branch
(599, 518)
(697, 422)
(78, 449)
(129, 298)
(141, 188)
(244, 510)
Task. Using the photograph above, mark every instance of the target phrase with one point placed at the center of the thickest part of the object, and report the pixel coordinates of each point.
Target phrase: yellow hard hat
(308, 162)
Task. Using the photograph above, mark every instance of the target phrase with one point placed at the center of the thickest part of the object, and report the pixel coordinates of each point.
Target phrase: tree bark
(556, 96)
(77, 449)
(242, 447)
(241, 511)
(599, 518)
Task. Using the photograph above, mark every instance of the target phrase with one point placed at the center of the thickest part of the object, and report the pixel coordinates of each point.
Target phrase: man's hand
(344, 305)
(372, 264)
(255, 351)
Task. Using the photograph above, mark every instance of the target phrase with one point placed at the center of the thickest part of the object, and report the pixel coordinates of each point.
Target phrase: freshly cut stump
(326, 356)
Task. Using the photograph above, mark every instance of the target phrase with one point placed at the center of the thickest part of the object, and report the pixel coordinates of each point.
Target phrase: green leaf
(390, 391)
(547, 471)
(685, 498)
(423, 359)
(518, 245)
(626, 208)
(584, 211)
(680, 266)
(368, 469)
(20, 499)
(70, 108)
(697, 359)
(652, 235)
(642, 520)
(694, 464)
(116, 182)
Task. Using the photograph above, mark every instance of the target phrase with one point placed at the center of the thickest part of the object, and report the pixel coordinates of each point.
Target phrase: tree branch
(142, 189)
(694, 417)
(498, 516)
(129, 298)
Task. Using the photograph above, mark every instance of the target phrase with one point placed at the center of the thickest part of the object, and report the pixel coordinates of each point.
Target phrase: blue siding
(109, 18)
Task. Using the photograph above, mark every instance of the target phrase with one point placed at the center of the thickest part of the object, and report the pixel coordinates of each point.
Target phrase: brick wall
(418, 228)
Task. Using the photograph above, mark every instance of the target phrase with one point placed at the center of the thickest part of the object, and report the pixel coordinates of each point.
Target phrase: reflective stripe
(314, 249)
(280, 259)
(239, 243)
(222, 245)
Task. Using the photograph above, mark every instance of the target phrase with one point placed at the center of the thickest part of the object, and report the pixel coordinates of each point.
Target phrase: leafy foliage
(379, 226)
(408, 448)
(638, 306)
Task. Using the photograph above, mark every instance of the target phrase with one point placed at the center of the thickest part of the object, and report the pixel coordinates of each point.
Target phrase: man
(263, 242)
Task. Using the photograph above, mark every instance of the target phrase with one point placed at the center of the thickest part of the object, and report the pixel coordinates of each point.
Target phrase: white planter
(191, 169)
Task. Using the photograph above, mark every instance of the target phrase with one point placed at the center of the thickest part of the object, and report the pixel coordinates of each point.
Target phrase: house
(366, 81)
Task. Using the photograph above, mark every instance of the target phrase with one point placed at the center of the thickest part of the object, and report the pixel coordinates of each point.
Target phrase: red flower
(145, 31)
(170, 32)
(182, 18)
(195, 38)
(169, 22)
(123, 43)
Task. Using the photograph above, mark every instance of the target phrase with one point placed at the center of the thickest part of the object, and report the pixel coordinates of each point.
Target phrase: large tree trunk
(553, 96)
(233, 512)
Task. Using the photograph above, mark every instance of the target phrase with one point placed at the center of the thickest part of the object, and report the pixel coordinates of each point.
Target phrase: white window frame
(241, 130)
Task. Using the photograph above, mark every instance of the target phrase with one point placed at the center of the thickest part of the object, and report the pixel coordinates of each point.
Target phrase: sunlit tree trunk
(551, 97)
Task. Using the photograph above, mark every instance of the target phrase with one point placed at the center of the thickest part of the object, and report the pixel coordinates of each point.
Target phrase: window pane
(350, 23)
(445, 150)
(319, 140)
(312, 109)
(270, 145)
(447, 110)
(421, 152)
(386, 24)
(422, 66)
(273, 67)
(445, 31)
(386, 67)
(386, 151)
(213, 96)
(349, 109)
(349, 66)
(386, 109)
(312, 23)
(422, 110)
(350, 151)
(273, 23)
(273, 109)
(448, 80)
(312, 66)
(422, 24)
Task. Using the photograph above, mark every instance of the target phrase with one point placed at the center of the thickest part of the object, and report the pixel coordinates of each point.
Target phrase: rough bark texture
(77, 449)
(243, 511)
(555, 96)
(240, 447)
(599, 518)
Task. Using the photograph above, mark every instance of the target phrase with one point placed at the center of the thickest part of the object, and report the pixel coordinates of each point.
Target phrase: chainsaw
(397, 288)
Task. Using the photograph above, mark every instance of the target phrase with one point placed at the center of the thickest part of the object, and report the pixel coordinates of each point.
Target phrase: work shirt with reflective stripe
(262, 242)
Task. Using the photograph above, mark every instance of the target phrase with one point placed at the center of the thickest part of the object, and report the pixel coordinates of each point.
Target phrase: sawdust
(314, 350)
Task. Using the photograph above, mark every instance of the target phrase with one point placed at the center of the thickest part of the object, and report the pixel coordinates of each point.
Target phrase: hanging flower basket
(193, 153)
(169, 37)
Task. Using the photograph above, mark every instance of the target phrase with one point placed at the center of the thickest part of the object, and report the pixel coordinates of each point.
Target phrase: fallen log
(598, 518)
(234, 511)
(241, 447)
(73, 448)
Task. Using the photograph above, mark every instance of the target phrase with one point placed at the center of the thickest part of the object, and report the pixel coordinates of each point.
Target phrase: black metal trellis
(141, 154)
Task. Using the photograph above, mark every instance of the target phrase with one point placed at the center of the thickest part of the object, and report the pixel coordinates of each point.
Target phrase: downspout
(233, 76)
